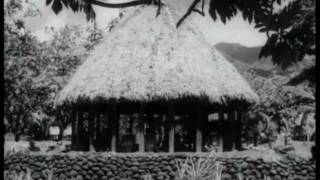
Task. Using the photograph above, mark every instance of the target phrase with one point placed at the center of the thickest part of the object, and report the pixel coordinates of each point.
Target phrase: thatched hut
(146, 65)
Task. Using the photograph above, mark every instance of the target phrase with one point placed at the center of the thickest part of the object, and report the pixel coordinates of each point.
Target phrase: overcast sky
(235, 31)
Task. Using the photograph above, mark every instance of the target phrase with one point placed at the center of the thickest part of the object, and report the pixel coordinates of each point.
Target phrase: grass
(27, 176)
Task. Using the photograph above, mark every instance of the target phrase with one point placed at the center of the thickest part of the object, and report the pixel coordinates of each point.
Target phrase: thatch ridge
(146, 58)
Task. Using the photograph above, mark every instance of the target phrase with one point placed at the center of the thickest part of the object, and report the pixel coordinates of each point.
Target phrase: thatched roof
(146, 58)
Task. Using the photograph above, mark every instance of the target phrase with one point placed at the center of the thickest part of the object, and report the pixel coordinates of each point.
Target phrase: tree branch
(268, 35)
(159, 7)
(121, 5)
(202, 6)
(198, 11)
(191, 8)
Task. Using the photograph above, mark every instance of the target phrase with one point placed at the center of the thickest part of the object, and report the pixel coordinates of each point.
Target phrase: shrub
(33, 147)
(199, 169)
(13, 175)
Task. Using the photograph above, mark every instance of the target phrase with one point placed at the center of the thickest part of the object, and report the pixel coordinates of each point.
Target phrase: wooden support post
(91, 123)
(239, 130)
(115, 127)
(171, 125)
(221, 119)
(97, 128)
(97, 131)
(79, 129)
(231, 118)
(199, 116)
(141, 127)
(106, 120)
(131, 124)
(73, 129)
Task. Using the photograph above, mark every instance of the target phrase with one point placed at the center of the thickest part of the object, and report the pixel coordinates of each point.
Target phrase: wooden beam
(221, 119)
(199, 116)
(141, 123)
(115, 127)
(171, 126)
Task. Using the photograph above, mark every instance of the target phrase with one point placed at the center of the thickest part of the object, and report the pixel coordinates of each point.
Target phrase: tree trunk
(16, 131)
(16, 136)
(62, 127)
(61, 132)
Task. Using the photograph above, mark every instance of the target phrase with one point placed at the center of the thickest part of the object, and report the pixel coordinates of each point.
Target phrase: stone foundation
(94, 166)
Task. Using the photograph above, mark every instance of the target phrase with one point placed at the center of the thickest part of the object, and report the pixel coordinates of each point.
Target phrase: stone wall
(158, 166)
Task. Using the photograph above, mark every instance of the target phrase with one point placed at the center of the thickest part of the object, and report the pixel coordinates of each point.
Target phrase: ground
(43, 145)
(302, 149)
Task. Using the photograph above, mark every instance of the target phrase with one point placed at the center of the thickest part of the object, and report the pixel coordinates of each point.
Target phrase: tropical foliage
(34, 71)
(21, 66)
(280, 104)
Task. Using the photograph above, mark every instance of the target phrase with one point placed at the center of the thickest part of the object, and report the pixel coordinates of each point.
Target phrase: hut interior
(151, 127)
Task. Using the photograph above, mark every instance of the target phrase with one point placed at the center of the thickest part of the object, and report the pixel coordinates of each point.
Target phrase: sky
(235, 31)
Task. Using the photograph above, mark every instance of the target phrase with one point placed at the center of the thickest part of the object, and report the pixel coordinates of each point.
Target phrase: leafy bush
(33, 147)
(280, 104)
(199, 169)
(14, 148)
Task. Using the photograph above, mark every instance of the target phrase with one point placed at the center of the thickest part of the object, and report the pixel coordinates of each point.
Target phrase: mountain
(237, 51)
(244, 58)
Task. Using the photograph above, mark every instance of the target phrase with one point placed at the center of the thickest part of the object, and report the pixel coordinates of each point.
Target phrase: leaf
(74, 6)
(244, 15)
(279, 2)
(259, 25)
(89, 12)
(213, 14)
(65, 3)
(250, 17)
(56, 6)
(48, 2)
(263, 29)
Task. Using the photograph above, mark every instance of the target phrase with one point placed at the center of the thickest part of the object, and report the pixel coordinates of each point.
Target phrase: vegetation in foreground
(205, 168)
